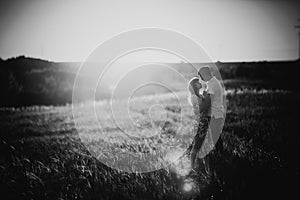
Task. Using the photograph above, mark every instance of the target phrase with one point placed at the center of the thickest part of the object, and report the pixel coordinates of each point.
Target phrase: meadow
(43, 155)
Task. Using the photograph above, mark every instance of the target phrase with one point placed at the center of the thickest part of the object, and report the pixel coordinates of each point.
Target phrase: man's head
(205, 73)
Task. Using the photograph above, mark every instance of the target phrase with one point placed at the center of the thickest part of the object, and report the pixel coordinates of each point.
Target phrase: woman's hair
(194, 86)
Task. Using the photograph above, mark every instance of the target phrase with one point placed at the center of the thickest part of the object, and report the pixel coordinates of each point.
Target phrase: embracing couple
(206, 95)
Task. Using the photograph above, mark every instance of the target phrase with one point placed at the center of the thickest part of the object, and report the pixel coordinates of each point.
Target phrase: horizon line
(178, 62)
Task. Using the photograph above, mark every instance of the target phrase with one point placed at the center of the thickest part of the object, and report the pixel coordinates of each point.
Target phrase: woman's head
(194, 86)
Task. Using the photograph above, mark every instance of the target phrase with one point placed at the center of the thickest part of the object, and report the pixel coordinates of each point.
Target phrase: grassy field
(43, 156)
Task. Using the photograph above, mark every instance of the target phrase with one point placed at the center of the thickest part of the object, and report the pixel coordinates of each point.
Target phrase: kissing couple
(207, 97)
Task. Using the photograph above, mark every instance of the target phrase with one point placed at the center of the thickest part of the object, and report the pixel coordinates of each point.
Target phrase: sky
(229, 30)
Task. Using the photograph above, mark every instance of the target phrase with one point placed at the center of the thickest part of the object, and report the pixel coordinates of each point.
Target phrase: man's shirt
(215, 89)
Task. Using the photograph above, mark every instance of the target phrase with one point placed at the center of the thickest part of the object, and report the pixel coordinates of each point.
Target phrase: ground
(43, 156)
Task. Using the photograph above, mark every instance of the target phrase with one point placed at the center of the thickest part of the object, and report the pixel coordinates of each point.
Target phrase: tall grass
(43, 157)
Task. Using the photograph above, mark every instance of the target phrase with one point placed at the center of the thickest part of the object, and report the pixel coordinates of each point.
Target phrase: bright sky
(229, 30)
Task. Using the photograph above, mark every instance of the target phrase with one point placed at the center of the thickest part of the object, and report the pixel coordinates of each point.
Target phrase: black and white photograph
(149, 99)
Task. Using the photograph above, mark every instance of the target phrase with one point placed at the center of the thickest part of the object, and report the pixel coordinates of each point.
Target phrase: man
(217, 97)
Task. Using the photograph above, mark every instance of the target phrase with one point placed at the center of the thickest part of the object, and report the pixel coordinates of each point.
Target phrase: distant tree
(15, 87)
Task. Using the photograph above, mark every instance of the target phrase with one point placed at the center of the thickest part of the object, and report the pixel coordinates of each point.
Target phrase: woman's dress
(200, 121)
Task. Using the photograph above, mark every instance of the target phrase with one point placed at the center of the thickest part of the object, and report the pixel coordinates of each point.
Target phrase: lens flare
(179, 164)
(188, 185)
(134, 116)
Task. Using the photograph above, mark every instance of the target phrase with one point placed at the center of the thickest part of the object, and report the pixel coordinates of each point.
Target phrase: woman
(200, 101)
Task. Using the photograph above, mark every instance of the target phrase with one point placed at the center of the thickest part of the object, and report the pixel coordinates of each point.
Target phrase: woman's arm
(194, 102)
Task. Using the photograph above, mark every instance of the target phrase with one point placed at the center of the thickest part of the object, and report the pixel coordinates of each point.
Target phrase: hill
(29, 81)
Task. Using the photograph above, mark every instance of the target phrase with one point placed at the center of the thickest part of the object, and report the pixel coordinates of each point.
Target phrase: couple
(207, 99)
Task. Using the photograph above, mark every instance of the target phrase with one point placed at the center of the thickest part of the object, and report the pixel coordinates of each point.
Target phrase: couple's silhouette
(206, 96)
